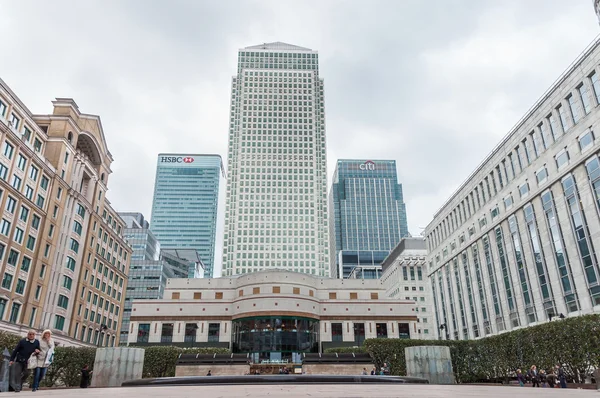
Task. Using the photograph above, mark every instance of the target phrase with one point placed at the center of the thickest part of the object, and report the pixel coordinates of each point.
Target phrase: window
(585, 99)
(70, 263)
(574, 108)
(28, 192)
(2, 249)
(21, 162)
(43, 271)
(2, 114)
(37, 145)
(40, 201)
(218, 295)
(296, 290)
(10, 205)
(381, 329)
(8, 150)
(14, 121)
(143, 333)
(35, 222)
(353, 296)
(332, 296)
(524, 190)
(595, 85)
(18, 235)
(541, 175)
(563, 117)
(44, 183)
(26, 133)
(213, 332)
(337, 332)
(20, 286)
(81, 210)
(197, 295)
(495, 212)
(175, 296)
(24, 214)
(16, 182)
(562, 158)
(67, 282)
(4, 227)
(3, 171)
(30, 243)
(191, 329)
(7, 281)
(58, 193)
(77, 228)
(59, 322)
(14, 313)
(25, 264)
(586, 140)
(276, 289)
(13, 257)
(166, 335)
(374, 296)
(33, 173)
(74, 245)
(63, 301)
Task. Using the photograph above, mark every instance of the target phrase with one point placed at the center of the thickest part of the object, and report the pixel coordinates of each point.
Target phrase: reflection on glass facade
(368, 214)
(465, 261)
(540, 264)
(582, 238)
(562, 261)
(487, 252)
(461, 303)
(275, 338)
(481, 289)
(522, 270)
(184, 210)
(451, 300)
(506, 277)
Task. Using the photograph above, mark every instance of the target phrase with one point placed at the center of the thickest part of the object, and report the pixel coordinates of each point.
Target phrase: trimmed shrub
(161, 361)
(9, 340)
(345, 350)
(67, 365)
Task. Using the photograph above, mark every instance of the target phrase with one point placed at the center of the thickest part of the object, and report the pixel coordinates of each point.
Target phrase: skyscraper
(368, 216)
(276, 214)
(184, 210)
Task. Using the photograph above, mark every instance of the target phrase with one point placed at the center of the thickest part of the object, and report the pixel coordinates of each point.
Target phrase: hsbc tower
(184, 208)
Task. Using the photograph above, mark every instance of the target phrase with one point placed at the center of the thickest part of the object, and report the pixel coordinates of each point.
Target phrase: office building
(516, 244)
(368, 216)
(184, 210)
(271, 315)
(149, 269)
(405, 278)
(276, 212)
(64, 259)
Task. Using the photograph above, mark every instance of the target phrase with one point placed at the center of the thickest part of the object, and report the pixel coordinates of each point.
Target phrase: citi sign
(176, 159)
(368, 165)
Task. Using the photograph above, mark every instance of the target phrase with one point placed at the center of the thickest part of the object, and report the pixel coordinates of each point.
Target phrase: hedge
(160, 361)
(573, 342)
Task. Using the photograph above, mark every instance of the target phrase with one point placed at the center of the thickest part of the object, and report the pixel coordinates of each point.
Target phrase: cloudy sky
(433, 84)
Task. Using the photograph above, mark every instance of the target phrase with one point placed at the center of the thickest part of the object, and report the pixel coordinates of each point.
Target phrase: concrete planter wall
(115, 365)
(433, 363)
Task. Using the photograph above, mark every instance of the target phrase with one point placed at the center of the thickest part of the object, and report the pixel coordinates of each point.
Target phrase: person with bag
(44, 359)
(21, 360)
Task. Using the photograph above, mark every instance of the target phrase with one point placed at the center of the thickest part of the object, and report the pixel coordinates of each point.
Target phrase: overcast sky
(432, 84)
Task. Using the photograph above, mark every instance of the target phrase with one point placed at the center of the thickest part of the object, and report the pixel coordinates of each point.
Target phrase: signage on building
(176, 159)
(368, 165)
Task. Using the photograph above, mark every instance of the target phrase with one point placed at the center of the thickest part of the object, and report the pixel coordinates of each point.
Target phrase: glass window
(508, 202)
(63, 301)
(213, 332)
(337, 332)
(7, 281)
(13, 257)
(70, 263)
(574, 108)
(59, 322)
(25, 264)
(595, 85)
(10, 205)
(586, 140)
(541, 175)
(8, 150)
(35, 222)
(14, 313)
(44, 183)
(21, 162)
(562, 158)
(33, 173)
(563, 117)
(74, 245)
(584, 97)
(20, 286)
(381, 329)
(3, 171)
(524, 189)
(24, 214)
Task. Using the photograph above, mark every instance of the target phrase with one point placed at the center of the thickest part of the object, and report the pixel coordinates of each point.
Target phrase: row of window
(579, 103)
(15, 123)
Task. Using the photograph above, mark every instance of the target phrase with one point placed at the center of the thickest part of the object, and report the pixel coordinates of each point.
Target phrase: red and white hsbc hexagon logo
(176, 159)
(188, 159)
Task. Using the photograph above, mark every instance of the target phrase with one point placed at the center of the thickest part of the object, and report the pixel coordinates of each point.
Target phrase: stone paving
(320, 391)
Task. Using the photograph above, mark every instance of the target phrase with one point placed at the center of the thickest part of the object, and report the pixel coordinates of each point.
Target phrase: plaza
(323, 391)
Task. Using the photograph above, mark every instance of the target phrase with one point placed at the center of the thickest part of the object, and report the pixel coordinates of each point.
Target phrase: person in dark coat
(209, 373)
(534, 376)
(551, 378)
(19, 357)
(86, 373)
(543, 377)
(521, 378)
(562, 377)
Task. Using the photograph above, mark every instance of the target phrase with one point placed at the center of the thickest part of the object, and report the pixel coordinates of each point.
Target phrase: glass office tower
(276, 214)
(184, 210)
(368, 216)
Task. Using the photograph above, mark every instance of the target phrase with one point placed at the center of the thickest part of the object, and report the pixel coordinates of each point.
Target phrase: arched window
(70, 137)
(102, 177)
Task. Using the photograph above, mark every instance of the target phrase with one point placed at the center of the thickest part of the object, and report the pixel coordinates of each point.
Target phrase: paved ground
(320, 391)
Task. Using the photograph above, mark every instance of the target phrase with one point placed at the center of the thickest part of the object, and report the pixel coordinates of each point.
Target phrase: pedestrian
(209, 373)
(19, 371)
(562, 377)
(386, 369)
(373, 371)
(551, 378)
(543, 377)
(520, 378)
(86, 373)
(364, 372)
(534, 376)
(44, 359)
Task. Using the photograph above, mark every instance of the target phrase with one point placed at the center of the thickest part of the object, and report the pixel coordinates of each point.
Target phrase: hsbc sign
(369, 165)
(176, 159)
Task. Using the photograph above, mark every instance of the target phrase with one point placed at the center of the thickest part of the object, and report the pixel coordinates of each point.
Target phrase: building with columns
(516, 245)
(64, 261)
(273, 315)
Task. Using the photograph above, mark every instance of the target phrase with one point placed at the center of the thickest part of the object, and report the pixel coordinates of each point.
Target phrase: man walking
(18, 360)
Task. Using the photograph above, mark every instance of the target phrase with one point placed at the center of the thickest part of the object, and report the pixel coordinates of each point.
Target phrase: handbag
(32, 362)
(49, 357)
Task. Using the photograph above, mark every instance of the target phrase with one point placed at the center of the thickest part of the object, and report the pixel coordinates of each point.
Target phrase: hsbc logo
(176, 159)
(369, 165)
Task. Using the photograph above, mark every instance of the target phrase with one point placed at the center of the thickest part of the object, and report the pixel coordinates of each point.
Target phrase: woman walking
(44, 359)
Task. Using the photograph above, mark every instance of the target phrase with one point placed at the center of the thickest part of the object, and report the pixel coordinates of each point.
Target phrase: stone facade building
(64, 260)
(271, 315)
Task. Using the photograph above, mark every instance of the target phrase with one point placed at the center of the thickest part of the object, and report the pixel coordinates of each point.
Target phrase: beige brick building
(64, 262)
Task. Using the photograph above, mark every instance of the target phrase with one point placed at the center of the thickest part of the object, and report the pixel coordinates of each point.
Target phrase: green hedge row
(574, 342)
